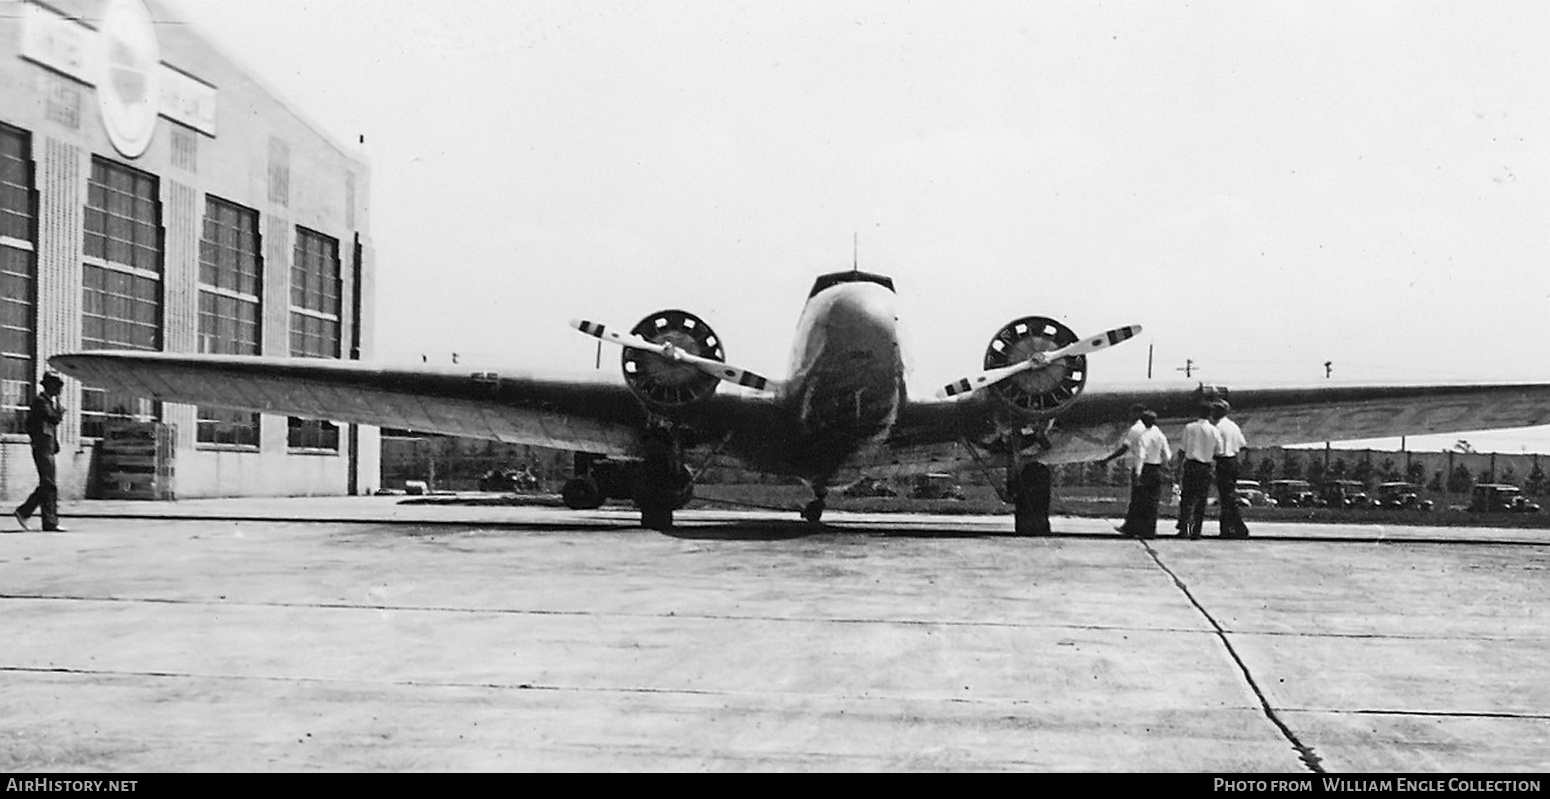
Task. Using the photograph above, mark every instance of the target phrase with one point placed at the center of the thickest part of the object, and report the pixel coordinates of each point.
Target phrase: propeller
(717, 369)
(1038, 360)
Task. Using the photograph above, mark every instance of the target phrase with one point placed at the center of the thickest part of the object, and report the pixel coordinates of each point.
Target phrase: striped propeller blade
(990, 377)
(1095, 343)
(717, 369)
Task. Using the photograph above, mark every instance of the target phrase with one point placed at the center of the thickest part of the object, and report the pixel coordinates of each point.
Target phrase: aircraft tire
(813, 513)
(1031, 516)
(656, 517)
(580, 493)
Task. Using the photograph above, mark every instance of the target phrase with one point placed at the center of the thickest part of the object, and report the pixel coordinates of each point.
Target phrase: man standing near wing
(1232, 442)
(1197, 453)
(1130, 447)
(1152, 453)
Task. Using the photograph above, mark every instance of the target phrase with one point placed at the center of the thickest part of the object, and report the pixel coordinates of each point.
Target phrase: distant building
(155, 196)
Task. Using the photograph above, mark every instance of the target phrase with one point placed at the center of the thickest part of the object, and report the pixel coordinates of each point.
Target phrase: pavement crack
(1305, 753)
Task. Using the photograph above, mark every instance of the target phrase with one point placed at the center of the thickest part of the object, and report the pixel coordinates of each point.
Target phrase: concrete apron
(231, 646)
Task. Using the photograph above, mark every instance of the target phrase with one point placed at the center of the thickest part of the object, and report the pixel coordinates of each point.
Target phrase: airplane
(677, 407)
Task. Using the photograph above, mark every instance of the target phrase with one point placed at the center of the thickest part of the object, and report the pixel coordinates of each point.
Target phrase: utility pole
(1188, 368)
(1328, 368)
(1149, 361)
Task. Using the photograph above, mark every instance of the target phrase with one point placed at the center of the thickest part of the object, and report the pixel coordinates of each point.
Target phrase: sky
(1263, 186)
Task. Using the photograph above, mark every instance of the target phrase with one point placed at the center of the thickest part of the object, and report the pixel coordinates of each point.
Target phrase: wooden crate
(135, 461)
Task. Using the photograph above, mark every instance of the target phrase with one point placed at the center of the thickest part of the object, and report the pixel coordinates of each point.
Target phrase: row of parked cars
(1484, 498)
(923, 486)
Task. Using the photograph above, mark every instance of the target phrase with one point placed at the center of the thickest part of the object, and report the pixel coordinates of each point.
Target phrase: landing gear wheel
(662, 484)
(1031, 491)
(656, 517)
(580, 493)
(813, 513)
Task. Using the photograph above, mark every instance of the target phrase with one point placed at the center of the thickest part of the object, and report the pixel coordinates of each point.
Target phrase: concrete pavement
(359, 634)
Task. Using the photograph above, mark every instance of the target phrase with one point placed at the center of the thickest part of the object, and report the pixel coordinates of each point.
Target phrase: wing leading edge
(580, 414)
(1269, 416)
(596, 414)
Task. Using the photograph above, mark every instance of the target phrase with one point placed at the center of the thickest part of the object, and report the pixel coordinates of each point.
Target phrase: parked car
(1401, 496)
(1294, 494)
(869, 487)
(936, 486)
(1500, 498)
(1250, 495)
(508, 480)
(1347, 494)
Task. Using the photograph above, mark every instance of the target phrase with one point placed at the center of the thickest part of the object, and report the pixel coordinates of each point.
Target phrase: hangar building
(155, 196)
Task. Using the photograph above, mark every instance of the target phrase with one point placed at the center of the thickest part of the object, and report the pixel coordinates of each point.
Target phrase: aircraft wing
(589, 413)
(597, 413)
(1269, 416)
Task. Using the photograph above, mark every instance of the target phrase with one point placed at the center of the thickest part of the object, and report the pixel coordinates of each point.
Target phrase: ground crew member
(1130, 447)
(1197, 453)
(43, 428)
(1152, 453)
(1227, 470)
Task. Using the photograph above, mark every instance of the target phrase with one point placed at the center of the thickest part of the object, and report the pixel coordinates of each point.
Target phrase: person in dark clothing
(43, 428)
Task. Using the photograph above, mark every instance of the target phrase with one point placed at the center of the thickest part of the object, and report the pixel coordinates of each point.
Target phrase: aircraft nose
(863, 307)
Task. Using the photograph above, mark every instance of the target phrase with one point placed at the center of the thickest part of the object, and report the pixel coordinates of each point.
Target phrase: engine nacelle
(662, 384)
(1037, 393)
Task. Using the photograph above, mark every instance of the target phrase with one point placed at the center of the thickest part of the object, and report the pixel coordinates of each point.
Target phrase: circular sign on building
(129, 84)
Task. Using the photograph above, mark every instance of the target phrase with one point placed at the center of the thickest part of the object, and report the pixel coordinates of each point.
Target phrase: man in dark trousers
(1130, 447)
(1152, 455)
(1232, 442)
(1196, 456)
(43, 428)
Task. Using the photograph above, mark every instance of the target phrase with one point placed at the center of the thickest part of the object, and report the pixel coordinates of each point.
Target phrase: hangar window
(316, 289)
(230, 289)
(121, 292)
(315, 293)
(18, 279)
(312, 434)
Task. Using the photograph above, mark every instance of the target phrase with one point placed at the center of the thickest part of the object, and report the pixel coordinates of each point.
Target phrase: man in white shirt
(1197, 454)
(1130, 447)
(1152, 453)
(1233, 442)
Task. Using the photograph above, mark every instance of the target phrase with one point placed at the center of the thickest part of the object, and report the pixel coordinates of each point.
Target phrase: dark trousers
(1033, 494)
(1227, 491)
(1194, 489)
(1141, 519)
(46, 496)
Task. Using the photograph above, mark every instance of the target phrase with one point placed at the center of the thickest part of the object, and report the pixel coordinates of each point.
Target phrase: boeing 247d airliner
(843, 409)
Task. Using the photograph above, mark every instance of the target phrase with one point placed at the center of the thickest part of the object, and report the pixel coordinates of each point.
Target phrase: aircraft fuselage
(847, 373)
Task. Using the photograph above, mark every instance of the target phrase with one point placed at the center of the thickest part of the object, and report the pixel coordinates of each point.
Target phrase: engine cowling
(662, 384)
(1037, 393)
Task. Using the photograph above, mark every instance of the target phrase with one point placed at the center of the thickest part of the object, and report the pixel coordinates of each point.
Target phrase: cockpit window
(853, 276)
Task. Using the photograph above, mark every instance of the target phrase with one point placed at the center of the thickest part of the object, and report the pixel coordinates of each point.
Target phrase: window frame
(118, 199)
(313, 291)
(222, 244)
(26, 249)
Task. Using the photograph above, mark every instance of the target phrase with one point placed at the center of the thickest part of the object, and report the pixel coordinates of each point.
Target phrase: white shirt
(1132, 442)
(1232, 438)
(1152, 448)
(1201, 441)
